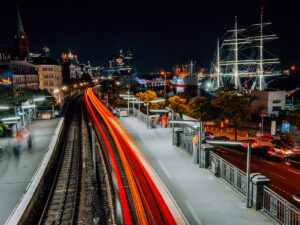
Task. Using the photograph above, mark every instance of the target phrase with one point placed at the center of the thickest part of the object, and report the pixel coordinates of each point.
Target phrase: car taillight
(270, 152)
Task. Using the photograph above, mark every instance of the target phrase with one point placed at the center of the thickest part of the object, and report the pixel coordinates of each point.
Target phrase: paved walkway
(203, 198)
(18, 167)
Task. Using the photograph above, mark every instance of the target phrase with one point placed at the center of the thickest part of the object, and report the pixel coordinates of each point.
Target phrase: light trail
(140, 211)
(155, 206)
(124, 203)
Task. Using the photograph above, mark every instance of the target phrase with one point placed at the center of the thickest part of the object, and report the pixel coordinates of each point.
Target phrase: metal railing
(186, 142)
(234, 176)
(279, 208)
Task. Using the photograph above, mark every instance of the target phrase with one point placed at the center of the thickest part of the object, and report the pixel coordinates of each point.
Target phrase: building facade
(269, 103)
(50, 74)
(22, 74)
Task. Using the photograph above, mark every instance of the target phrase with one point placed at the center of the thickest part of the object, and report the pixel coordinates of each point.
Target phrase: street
(285, 180)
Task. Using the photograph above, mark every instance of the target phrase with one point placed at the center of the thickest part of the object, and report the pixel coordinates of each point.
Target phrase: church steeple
(20, 28)
(21, 46)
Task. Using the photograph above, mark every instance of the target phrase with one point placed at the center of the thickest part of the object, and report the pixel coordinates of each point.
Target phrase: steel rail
(47, 204)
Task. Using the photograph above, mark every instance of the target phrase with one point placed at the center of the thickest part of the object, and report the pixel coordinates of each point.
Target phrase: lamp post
(11, 120)
(192, 123)
(40, 99)
(147, 104)
(139, 102)
(128, 97)
(28, 107)
(248, 172)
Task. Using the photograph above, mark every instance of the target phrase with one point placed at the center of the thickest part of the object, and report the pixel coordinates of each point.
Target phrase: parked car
(253, 143)
(292, 160)
(266, 138)
(222, 138)
(209, 135)
(283, 151)
(265, 152)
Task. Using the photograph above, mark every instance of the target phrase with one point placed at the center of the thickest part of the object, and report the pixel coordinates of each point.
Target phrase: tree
(286, 140)
(148, 96)
(178, 104)
(202, 109)
(233, 106)
(294, 118)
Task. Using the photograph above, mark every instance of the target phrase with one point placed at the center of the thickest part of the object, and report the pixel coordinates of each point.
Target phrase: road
(284, 180)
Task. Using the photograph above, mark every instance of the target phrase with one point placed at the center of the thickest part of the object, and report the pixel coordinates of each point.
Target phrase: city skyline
(161, 33)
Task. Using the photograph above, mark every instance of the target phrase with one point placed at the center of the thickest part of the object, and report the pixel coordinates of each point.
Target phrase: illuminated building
(70, 66)
(121, 64)
(23, 74)
(49, 71)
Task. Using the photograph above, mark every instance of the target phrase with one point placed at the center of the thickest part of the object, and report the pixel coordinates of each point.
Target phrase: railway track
(62, 201)
(81, 186)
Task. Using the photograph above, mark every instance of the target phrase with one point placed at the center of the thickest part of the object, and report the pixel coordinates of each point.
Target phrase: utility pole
(200, 142)
(248, 175)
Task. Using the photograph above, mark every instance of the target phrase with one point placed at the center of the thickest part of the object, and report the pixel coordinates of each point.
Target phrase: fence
(236, 177)
(280, 209)
(186, 142)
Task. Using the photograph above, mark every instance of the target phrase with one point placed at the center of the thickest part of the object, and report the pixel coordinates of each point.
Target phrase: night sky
(161, 33)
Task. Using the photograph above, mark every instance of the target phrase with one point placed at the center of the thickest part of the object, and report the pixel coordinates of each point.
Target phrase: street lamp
(40, 99)
(193, 123)
(139, 102)
(11, 120)
(248, 163)
(152, 101)
(127, 98)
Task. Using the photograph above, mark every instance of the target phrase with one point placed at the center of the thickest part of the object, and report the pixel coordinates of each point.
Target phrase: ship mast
(261, 43)
(239, 64)
(235, 69)
(262, 62)
(218, 64)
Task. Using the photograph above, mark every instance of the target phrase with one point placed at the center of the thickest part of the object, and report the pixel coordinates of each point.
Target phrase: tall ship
(243, 58)
(185, 75)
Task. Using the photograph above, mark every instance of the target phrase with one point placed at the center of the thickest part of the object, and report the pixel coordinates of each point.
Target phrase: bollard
(257, 189)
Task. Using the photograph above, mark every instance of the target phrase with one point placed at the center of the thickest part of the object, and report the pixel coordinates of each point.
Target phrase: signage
(6, 79)
(285, 127)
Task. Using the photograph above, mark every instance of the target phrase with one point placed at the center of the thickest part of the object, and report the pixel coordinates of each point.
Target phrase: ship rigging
(238, 60)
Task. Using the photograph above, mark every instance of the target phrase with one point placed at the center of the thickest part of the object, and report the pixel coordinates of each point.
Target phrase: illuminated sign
(6, 79)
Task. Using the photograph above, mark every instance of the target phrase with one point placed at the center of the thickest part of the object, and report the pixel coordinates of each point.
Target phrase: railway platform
(203, 198)
(17, 167)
